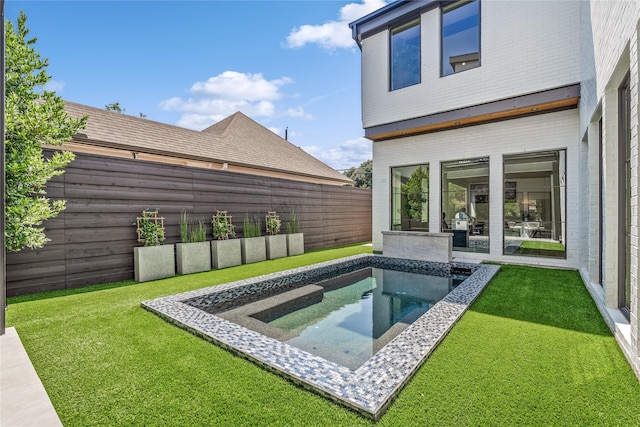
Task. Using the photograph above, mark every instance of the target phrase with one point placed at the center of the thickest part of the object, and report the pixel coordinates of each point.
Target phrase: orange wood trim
(484, 118)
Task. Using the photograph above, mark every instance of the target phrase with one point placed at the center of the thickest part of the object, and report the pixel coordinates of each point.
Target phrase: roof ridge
(127, 116)
(221, 127)
(236, 139)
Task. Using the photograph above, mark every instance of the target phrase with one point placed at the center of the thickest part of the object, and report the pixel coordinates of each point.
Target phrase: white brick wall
(606, 28)
(590, 200)
(609, 46)
(544, 132)
(526, 46)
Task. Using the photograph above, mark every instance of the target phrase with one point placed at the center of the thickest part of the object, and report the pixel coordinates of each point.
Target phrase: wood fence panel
(92, 241)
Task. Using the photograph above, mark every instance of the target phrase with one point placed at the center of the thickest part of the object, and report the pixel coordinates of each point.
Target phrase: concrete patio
(23, 399)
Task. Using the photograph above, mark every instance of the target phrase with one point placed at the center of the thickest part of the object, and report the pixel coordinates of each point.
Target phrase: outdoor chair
(531, 228)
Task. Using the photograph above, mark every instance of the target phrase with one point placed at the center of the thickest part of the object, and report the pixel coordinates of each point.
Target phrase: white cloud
(298, 112)
(234, 85)
(222, 95)
(353, 11)
(285, 132)
(275, 130)
(333, 34)
(198, 121)
(352, 153)
(54, 86)
(330, 35)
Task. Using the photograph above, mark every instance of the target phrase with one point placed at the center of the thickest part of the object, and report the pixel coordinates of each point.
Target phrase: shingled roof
(236, 140)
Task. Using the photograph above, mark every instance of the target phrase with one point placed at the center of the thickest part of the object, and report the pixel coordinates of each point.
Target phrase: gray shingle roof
(237, 140)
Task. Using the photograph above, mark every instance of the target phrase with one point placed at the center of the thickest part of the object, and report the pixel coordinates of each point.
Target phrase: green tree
(362, 175)
(457, 197)
(33, 117)
(415, 191)
(115, 107)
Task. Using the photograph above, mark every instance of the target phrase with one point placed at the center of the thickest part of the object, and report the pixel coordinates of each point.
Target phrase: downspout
(354, 34)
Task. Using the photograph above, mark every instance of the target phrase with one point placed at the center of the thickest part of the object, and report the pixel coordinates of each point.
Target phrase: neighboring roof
(236, 140)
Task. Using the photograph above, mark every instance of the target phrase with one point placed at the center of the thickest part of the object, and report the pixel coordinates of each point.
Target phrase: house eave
(385, 16)
(82, 139)
(557, 99)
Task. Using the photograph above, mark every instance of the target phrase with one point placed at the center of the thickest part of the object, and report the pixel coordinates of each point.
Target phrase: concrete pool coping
(369, 389)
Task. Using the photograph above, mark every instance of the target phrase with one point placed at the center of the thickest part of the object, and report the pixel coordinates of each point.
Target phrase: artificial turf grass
(532, 350)
(106, 361)
(541, 248)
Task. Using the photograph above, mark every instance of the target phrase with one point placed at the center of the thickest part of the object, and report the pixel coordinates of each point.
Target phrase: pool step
(256, 315)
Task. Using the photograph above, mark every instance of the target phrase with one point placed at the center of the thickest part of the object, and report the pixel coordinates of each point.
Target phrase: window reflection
(410, 198)
(460, 36)
(405, 55)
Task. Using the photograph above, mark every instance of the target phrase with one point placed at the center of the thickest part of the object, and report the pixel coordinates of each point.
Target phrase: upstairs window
(405, 55)
(460, 36)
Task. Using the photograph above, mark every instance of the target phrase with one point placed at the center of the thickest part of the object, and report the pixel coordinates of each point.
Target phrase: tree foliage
(415, 192)
(115, 107)
(33, 117)
(362, 175)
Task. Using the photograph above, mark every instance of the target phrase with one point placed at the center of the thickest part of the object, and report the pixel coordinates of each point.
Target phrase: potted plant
(225, 249)
(253, 246)
(194, 253)
(276, 243)
(153, 260)
(295, 239)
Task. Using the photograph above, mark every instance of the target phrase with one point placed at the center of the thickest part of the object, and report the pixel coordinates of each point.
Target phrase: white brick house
(513, 126)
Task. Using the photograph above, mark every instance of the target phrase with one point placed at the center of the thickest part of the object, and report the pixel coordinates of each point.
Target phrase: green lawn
(541, 248)
(532, 350)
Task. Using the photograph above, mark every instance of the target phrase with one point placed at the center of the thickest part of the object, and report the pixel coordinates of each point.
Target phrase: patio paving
(23, 399)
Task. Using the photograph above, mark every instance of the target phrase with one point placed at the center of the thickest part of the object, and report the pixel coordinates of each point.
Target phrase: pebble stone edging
(368, 389)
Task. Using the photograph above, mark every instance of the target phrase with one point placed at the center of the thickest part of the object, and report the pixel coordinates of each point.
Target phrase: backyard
(532, 350)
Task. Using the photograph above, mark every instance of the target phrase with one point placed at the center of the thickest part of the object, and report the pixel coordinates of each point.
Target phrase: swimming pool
(368, 388)
(350, 318)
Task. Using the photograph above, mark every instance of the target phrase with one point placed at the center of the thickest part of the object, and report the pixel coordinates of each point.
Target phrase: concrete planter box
(276, 246)
(193, 257)
(254, 249)
(226, 253)
(295, 244)
(153, 262)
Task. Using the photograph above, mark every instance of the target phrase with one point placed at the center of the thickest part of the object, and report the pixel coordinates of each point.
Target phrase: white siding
(606, 28)
(526, 47)
(543, 132)
(609, 46)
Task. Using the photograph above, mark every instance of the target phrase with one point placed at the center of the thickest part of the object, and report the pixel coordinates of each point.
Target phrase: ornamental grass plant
(252, 227)
(192, 231)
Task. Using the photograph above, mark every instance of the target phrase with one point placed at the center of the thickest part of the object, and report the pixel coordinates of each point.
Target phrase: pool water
(361, 312)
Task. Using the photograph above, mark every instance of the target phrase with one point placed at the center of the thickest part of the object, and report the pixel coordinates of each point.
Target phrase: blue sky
(283, 63)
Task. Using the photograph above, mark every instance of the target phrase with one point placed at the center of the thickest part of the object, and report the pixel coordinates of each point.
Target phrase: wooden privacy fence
(92, 241)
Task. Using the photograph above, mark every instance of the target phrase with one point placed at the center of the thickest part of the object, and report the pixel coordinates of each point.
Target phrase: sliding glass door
(534, 204)
(465, 203)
